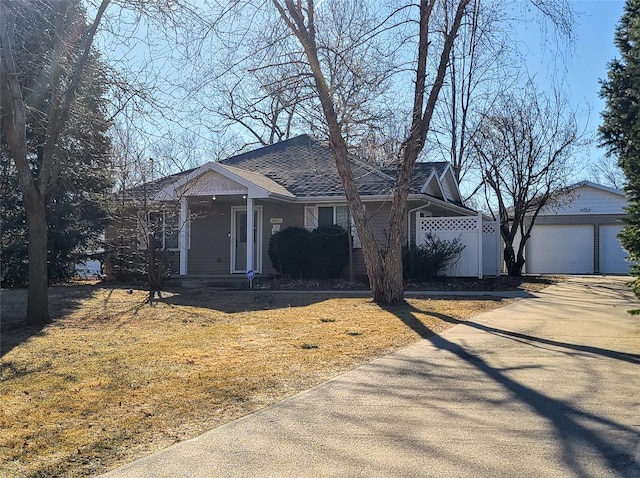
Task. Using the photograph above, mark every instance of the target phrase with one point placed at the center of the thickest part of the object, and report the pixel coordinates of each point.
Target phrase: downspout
(409, 221)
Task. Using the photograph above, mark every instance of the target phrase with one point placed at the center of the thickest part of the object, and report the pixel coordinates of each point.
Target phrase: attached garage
(561, 249)
(578, 235)
(613, 259)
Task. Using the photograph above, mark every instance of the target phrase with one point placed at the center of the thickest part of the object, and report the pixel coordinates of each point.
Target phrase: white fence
(481, 254)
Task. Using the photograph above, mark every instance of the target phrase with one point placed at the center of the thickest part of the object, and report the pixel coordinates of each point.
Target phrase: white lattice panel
(449, 224)
(490, 227)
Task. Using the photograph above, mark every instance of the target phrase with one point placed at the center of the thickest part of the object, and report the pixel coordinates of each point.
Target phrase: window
(165, 228)
(325, 215)
(321, 216)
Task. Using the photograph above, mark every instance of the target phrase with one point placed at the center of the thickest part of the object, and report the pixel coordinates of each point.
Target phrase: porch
(222, 233)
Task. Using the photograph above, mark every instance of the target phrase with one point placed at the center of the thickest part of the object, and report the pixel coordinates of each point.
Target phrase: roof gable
(211, 182)
(602, 187)
(432, 186)
(450, 184)
(216, 179)
(436, 179)
(587, 197)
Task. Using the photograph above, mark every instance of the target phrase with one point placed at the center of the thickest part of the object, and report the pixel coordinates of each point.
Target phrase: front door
(239, 240)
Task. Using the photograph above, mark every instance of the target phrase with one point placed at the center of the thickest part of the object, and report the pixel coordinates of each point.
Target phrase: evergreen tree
(620, 129)
(74, 204)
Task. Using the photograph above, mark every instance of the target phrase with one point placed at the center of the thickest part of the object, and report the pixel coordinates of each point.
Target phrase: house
(291, 183)
(578, 233)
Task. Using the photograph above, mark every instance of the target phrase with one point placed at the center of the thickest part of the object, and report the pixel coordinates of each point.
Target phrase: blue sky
(594, 48)
(587, 60)
(583, 64)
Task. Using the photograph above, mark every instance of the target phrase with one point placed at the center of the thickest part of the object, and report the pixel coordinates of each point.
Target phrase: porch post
(249, 232)
(182, 235)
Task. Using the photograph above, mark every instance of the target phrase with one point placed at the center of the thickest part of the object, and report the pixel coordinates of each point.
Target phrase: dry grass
(111, 380)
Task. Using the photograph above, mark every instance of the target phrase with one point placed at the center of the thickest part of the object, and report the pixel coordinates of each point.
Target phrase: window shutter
(310, 217)
(342, 215)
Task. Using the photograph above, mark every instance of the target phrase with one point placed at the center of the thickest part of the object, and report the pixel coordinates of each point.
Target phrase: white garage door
(560, 249)
(612, 256)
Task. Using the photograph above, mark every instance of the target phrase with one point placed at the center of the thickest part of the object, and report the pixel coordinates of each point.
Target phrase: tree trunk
(387, 286)
(156, 269)
(38, 293)
(514, 265)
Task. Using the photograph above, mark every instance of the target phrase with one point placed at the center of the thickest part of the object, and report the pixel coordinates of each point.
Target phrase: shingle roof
(304, 167)
(151, 188)
(259, 180)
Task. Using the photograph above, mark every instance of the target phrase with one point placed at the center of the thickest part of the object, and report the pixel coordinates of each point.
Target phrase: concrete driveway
(546, 387)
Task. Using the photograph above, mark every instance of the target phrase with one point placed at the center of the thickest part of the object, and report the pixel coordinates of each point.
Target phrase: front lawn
(113, 379)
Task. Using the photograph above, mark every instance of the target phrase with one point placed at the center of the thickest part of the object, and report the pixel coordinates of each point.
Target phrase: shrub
(322, 254)
(288, 251)
(429, 260)
(328, 252)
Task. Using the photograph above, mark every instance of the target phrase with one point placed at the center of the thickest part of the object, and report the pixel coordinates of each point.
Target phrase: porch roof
(220, 179)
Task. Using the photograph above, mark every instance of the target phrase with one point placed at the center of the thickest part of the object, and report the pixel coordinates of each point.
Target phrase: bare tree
(483, 61)
(54, 42)
(607, 171)
(268, 113)
(383, 261)
(354, 54)
(261, 86)
(525, 148)
(144, 235)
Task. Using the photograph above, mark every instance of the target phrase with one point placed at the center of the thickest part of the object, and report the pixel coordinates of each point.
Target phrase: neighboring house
(89, 269)
(579, 234)
(291, 183)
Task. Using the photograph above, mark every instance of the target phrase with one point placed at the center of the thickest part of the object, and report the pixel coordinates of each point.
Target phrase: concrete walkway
(546, 387)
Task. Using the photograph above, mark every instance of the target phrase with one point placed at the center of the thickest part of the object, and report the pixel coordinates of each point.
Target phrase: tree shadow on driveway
(579, 432)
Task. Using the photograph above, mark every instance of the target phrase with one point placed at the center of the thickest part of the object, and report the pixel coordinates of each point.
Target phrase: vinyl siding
(587, 200)
(446, 189)
(580, 219)
(210, 228)
(378, 218)
(211, 250)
